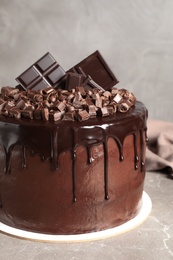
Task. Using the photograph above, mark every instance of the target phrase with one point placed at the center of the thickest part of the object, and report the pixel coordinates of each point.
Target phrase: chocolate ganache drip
(50, 139)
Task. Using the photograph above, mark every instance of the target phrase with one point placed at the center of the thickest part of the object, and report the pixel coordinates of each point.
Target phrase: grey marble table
(152, 240)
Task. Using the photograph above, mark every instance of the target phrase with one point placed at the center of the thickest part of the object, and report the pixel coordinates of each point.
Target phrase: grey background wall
(134, 36)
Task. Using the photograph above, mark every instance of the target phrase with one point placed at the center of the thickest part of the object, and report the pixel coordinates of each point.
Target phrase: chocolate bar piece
(43, 73)
(96, 67)
(73, 80)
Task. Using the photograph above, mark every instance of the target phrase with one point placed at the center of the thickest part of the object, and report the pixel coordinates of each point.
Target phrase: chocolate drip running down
(48, 139)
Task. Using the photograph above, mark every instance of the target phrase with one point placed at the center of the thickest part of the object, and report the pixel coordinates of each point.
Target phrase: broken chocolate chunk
(96, 67)
(73, 80)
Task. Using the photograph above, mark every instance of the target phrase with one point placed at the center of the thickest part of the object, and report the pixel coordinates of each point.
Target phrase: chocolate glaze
(51, 139)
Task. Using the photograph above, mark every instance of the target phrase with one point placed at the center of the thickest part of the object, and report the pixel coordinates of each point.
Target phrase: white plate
(131, 224)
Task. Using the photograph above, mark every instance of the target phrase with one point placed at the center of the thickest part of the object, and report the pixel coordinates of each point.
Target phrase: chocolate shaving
(68, 105)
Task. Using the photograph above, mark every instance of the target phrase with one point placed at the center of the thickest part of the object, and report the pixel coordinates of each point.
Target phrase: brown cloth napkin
(159, 155)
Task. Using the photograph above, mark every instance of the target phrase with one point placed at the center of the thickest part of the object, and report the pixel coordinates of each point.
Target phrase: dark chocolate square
(42, 84)
(29, 76)
(45, 62)
(44, 72)
(56, 75)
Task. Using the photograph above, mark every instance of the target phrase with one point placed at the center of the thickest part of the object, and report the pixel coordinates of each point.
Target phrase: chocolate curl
(38, 98)
(123, 107)
(77, 101)
(46, 104)
(132, 99)
(70, 97)
(52, 98)
(107, 94)
(8, 91)
(8, 105)
(89, 92)
(61, 97)
(105, 101)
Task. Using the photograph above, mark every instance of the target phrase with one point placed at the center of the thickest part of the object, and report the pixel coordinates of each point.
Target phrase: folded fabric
(159, 154)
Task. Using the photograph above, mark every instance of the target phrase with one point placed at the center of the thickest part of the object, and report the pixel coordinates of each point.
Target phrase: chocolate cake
(72, 149)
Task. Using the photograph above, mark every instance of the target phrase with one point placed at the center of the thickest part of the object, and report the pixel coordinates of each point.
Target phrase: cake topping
(47, 92)
(75, 104)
